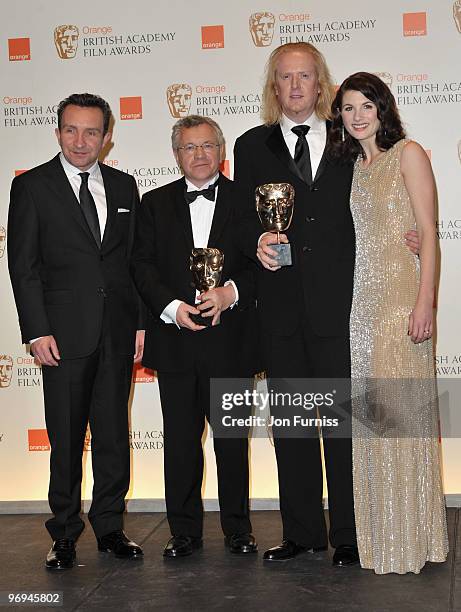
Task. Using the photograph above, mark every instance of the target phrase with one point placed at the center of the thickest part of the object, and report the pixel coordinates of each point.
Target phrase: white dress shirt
(316, 138)
(95, 185)
(201, 216)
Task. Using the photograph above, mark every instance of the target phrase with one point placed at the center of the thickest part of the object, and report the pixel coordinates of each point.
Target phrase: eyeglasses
(207, 147)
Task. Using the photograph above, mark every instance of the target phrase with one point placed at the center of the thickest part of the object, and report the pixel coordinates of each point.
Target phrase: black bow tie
(208, 193)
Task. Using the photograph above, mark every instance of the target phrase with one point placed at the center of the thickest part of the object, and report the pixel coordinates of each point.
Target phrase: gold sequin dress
(398, 497)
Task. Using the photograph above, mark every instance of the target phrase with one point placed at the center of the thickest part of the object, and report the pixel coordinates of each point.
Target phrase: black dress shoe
(61, 555)
(120, 545)
(241, 543)
(346, 555)
(181, 546)
(284, 552)
(289, 550)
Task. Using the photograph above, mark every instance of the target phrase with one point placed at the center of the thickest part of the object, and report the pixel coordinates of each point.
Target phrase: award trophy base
(283, 256)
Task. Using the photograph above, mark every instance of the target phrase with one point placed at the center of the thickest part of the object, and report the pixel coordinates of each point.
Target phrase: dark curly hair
(86, 100)
(390, 130)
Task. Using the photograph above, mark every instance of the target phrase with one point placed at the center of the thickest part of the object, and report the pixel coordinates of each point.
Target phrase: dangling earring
(342, 133)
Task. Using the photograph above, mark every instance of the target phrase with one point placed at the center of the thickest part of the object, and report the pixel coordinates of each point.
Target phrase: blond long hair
(271, 111)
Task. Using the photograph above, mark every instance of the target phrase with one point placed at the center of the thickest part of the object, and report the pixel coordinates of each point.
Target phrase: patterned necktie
(302, 154)
(208, 193)
(89, 208)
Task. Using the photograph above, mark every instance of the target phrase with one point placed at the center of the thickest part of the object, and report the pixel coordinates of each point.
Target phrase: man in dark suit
(71, 223)
(304, 308)
(196, 211)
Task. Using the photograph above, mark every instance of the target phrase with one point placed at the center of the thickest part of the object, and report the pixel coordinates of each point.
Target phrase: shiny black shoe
(61, 555)
(181, 546)
(284, 552)
(241, 543)
(346, 555)
(120, 545)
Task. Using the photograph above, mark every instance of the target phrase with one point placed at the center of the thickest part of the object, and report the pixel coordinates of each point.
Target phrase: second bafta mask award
(275, 203)
(206, 266)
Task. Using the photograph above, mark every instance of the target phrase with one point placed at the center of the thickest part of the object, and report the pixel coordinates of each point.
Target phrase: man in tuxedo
(196, 211)
(71, 224)
(304, 308)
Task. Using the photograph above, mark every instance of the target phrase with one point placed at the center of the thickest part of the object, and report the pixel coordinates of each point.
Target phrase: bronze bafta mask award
(275, 203)
(206, 266)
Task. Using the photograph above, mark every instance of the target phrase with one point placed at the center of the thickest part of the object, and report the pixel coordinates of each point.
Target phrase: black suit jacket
(63, 282)
(160, 268)
(319, 283)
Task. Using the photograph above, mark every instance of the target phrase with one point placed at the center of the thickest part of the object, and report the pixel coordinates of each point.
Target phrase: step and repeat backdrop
(157, 62)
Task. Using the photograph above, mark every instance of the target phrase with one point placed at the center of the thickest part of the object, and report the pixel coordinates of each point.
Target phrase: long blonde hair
(271, 111)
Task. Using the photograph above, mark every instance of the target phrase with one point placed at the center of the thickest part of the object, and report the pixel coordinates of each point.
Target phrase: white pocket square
(123, 210)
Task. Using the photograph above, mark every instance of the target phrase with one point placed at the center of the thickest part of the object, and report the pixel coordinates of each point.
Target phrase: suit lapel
(183, 212)
(276, 143)
(59, 183)
(222, 210)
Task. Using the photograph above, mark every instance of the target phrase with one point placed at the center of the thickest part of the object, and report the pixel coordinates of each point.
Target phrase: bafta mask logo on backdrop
(87, 440)
(386, 77)
(179, 96)
(18, 49)
(6, 371)
(2, 241)
(457, 14)
(414, 24)
(66, 41)
(262, 28)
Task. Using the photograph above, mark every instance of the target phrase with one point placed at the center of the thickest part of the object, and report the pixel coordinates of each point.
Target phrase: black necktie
(89, 208)
(302, 154)
(208, 193)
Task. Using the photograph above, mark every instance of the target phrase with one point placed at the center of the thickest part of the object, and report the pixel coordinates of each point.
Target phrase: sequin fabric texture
(398, 496)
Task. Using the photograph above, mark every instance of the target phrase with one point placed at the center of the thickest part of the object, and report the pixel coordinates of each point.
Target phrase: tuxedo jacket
(317, 288)
(160, 268)
(63, 282)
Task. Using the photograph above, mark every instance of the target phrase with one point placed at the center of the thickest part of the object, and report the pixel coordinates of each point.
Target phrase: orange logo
(212, 37)
(414, 24)
(19, 49)
(18, 172)
(142, 375)
(131, 108)
(262, 28)
(6, 370)
(225, 168)
(38, 440)
(2, 244)
(66, 41)
(179, 96)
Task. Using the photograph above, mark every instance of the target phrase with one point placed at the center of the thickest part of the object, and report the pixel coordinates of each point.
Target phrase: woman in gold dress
(398, 496)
